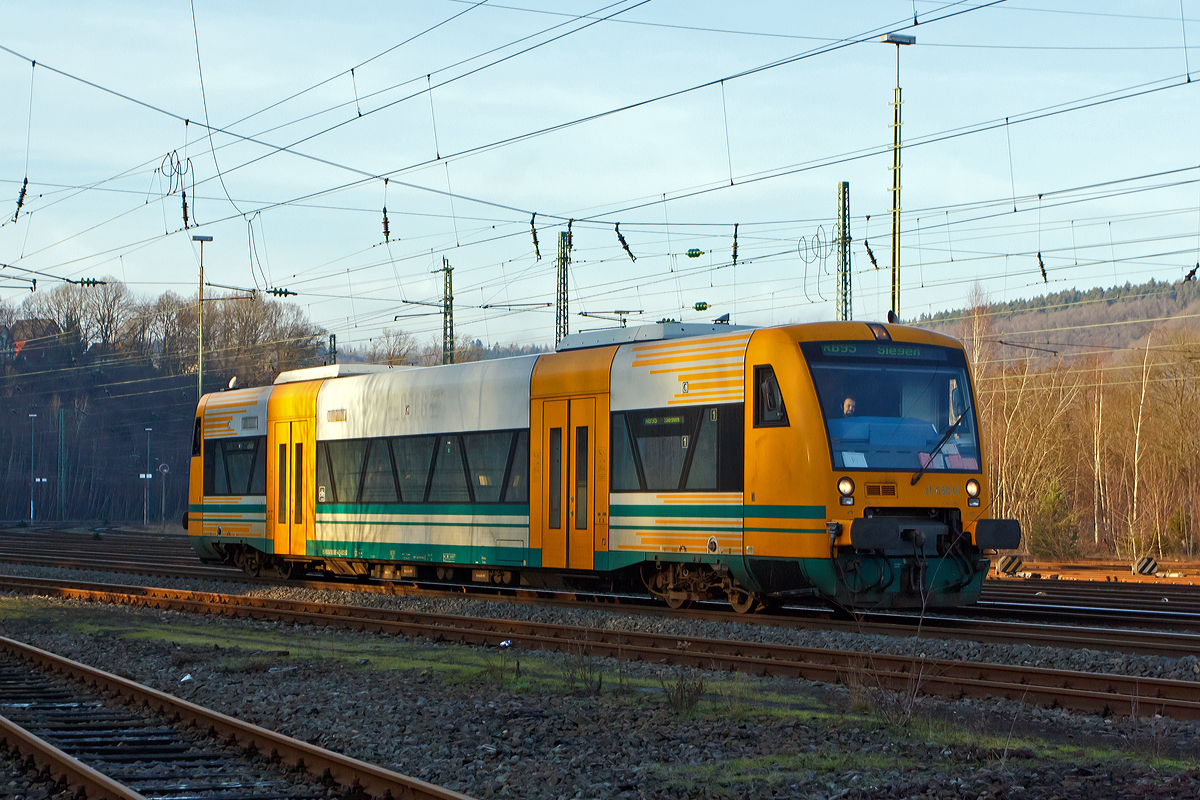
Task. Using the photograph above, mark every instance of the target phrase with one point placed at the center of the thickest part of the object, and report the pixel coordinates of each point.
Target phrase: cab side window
(769, 410)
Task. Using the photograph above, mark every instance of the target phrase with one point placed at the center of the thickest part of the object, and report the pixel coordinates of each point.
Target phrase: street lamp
(32, 417)
(897, 39)
(199, 323)
(146, 482)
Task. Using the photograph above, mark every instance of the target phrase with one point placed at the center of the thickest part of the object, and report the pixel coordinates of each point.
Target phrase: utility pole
(146, 482)
(32, 481)
(561, 319)
(62, 465)
(163, 469)
(844, 305)
(447, 311)
(897, 39)
(200, 321)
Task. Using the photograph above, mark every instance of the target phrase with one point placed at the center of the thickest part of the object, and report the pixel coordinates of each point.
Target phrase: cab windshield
(887, 405)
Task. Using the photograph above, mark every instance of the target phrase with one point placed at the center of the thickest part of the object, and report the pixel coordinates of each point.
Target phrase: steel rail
(348, 772)
(992, 619)
(894, 624)
(78, 776)
(1079, 691)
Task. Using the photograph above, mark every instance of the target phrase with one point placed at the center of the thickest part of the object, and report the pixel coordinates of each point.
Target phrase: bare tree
(395, 348)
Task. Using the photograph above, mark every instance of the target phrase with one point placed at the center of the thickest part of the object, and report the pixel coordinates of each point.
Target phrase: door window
(555, 504)
(581, 478)
(282, 506)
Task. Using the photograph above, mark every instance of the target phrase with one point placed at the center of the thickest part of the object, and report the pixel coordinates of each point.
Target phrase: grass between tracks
(937, 737)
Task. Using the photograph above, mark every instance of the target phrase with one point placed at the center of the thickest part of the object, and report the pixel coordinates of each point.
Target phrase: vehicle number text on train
(942, 490)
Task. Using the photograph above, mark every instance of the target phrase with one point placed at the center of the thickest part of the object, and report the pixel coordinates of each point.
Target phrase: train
(838, 463)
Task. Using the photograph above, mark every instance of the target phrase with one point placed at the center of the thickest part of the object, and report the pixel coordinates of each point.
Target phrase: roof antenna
(892, 318)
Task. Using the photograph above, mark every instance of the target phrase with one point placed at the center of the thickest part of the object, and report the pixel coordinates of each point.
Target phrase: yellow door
(290, 478)
(303, 499)
(554, 483)
(582, 484)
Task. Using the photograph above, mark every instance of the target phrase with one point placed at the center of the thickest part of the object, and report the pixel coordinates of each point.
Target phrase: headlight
(845, 487)
(973, 488)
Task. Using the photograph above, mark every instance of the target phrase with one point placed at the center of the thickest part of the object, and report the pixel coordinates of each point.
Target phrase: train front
(870, 431)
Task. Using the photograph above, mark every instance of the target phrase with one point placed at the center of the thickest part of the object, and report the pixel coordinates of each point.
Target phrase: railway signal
(1146, 565)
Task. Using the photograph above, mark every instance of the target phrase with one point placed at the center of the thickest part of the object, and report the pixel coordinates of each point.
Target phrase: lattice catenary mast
(844, 305)
(561, 322)
(447, 311)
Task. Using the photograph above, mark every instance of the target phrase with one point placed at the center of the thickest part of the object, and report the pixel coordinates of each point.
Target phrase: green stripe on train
(444, 509)
(441, 554)
(718, 511)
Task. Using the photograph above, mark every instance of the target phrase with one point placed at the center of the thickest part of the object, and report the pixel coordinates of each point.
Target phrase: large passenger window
(379, 483)
(414, 455)
(346, 462)
(449, 484)
(518, 473)
(624, 465)
(483, 467)
(487, 455)
(698, 448)
(235, 467)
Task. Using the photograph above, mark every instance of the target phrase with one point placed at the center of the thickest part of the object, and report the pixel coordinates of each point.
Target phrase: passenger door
(290, 478)
(581, 550)
(554, 483)
(568, 483)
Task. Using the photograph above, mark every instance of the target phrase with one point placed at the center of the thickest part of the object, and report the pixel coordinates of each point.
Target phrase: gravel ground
(1186, 668)
(492, 736)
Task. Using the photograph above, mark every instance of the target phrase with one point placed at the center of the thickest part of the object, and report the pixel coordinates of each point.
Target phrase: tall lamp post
(199, 325)
(32, 482)
(146, 482)
(897, 39)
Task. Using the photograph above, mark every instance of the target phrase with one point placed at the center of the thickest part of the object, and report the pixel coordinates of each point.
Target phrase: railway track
(89, 730)
(1048, 613)
(1078, 691)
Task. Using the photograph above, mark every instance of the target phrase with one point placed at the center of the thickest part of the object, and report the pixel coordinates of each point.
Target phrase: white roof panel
(478, 396)
(333, 371)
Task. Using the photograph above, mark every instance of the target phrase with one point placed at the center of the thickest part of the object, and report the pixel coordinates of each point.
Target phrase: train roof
(645, 333)
(333, 371)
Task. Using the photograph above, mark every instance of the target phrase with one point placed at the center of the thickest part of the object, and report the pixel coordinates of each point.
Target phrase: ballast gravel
(487, 740)
(1186, 668)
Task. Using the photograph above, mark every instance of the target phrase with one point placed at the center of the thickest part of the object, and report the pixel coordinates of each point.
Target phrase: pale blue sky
(798, 129)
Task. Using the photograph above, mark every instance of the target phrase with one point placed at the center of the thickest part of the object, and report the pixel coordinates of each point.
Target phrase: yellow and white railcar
(836, 459)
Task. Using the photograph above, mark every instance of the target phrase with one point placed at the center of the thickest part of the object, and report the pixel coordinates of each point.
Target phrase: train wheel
(743, 602)
(677, 600)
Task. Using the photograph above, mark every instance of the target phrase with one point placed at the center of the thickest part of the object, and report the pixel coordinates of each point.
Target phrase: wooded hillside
(1090, 403)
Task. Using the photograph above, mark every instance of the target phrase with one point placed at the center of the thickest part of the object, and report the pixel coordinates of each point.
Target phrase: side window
(324, 484)
(239, 464)
(663, 437)
(518, 473)
(235, 467)
(346, 459)
(732, 432)
(769, 411)
(624, 463)
(210, 467)
(258, 478)
(487, 458)
(702, 472)
(449, 483)
(379, 483)
(196, 433)
(413, 456)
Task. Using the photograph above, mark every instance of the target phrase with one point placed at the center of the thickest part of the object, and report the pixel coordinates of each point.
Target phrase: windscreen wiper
(945, 437)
